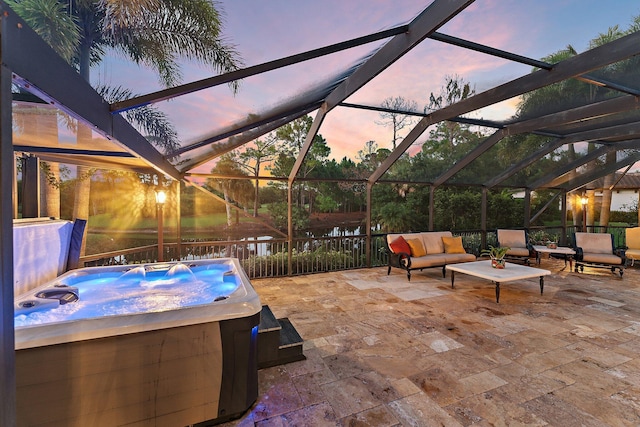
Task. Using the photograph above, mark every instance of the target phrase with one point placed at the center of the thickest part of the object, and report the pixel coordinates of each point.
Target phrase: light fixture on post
(161, 197)
(584, 201)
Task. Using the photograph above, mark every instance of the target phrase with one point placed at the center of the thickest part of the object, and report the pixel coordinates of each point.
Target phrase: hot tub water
(151, 288)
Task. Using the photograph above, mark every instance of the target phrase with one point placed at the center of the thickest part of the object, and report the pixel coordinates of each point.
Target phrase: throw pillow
(453, 245)
(417, 249)
(398, 245)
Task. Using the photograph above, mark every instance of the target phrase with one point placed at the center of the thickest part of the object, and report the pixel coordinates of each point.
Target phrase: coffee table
(566, 253)
(484, 270)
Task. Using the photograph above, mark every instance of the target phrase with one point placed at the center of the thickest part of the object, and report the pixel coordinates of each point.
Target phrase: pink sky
(267, 30)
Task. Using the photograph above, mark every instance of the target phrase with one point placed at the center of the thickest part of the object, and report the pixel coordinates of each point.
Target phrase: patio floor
(382, 351)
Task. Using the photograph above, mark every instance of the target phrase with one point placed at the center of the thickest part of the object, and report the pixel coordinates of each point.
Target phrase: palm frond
(150, 120)
(188, 29)
(50, 19)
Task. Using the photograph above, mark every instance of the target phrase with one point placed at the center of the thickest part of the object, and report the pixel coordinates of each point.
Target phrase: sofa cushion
(432, 241)
(633, 238)
(518, 252)
(399, 244)
(453, 245)
(602, 258)
(594, 243)
(456, 258)
(632, 253)
(434, 260)
(512, 238)
(417, 248)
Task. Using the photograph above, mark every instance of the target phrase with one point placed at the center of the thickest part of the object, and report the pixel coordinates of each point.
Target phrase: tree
(371, 157)
(448, 134)
(290, 139)
(353, 193)
(152, 122)
(395, 217)
(252, 159)
(59, 30)
(35, 122)
(232, 189)
(456, 209)
(613, 33)
(396, 115)
(574, 93)
(553, 98)
(51, 21)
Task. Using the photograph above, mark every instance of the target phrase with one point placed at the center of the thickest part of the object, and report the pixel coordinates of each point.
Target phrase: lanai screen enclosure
(600, 126)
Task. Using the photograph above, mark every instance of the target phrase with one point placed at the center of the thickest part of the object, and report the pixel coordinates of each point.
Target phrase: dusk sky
(266, 30)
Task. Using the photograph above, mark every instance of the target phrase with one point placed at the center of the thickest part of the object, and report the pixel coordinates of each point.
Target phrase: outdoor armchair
(597, 250)
(518, 243)
(632, 245)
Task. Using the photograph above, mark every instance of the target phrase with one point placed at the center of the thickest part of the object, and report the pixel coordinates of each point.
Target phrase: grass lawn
(106, 222)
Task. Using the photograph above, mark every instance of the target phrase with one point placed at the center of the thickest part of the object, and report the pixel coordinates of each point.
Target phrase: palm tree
(543, 100)
(51, 21)
(612, 34)
(33, 122)
(156, 33)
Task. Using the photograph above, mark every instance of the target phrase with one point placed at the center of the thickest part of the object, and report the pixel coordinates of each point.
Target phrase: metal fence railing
(261, 258)
(269, 258)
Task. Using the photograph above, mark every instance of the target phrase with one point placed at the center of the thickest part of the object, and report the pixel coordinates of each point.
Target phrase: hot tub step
(268, 321)
(290, 349)
(268, 338)
(278, 341)
(289, 337)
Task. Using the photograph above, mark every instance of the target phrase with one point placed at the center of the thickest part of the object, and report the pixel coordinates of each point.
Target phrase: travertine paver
(382, 351)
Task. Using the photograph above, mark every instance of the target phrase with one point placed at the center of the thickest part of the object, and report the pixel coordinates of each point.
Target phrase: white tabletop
(558, 250)
(484, 270)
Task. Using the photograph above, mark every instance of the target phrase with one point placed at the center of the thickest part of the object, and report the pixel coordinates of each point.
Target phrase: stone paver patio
(382, 351)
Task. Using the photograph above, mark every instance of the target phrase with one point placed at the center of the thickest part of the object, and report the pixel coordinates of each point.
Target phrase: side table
(566, 253)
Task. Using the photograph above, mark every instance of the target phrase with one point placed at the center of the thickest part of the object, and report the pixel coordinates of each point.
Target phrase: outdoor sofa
(416, 251)
(597, 250)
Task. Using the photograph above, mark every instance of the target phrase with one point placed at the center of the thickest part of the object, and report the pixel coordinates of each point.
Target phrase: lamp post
(161, 197)
(584, 201)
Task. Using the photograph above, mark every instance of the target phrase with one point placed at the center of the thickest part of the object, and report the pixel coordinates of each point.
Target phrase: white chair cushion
(512, 238)
(594, 243)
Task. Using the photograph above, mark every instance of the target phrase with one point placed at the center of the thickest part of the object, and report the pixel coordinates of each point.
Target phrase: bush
(623, 216)
(303, 262)
(541, 237)
(279, 215)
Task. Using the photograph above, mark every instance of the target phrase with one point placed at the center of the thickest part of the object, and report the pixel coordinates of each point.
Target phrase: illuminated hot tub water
(184, 333)
(109, 291)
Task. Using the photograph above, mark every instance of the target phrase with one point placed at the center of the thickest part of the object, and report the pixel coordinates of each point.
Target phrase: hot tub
(119, 345)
